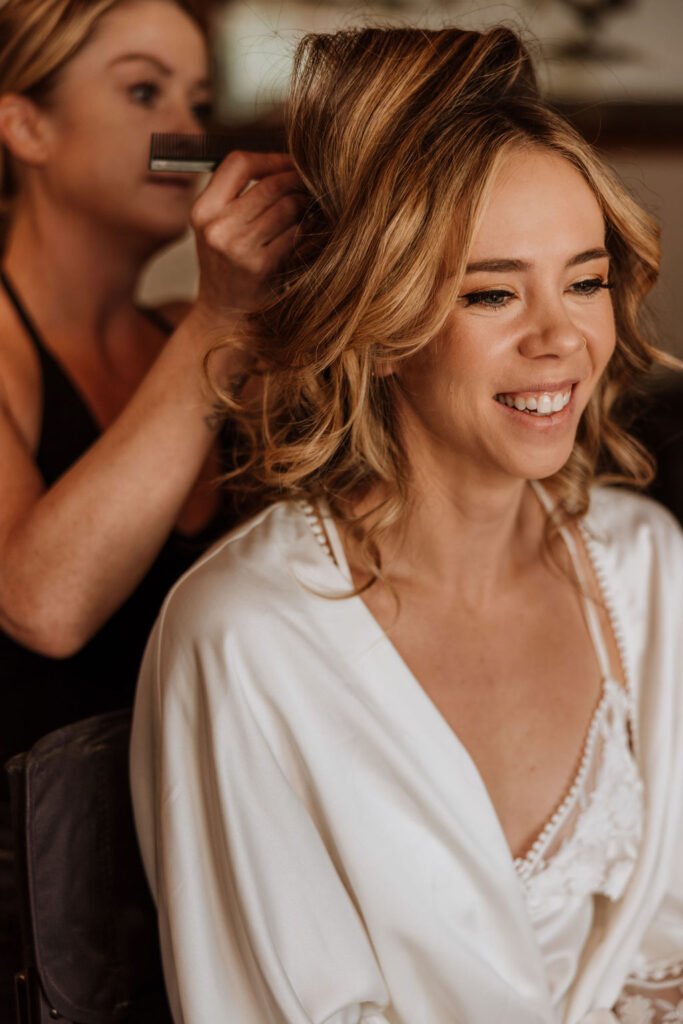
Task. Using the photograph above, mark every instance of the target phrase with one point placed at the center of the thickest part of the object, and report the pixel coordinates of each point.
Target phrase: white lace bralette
(591, 842)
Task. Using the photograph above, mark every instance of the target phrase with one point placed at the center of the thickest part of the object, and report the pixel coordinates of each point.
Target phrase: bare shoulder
(20, 415)
(20, 379)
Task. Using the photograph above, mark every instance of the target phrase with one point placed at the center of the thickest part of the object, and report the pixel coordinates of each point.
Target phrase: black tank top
(39, 693)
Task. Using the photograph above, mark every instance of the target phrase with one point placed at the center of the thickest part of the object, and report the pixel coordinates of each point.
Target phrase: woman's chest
(518, 687)
(31, 378)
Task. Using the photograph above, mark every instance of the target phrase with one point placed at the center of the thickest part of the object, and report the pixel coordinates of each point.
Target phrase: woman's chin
(540, 466)
(545, 468)
(155, 234)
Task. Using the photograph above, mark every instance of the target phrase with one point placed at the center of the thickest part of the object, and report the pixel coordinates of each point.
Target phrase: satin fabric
(321, 846)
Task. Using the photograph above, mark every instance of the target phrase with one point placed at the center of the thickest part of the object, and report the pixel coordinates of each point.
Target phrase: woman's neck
(463, 539)
(72, 273)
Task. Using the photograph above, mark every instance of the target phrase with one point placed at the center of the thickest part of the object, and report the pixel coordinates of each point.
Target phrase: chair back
(89, 932)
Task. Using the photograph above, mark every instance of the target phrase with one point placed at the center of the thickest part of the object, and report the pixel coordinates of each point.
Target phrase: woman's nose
(185, 120)
(551, 332)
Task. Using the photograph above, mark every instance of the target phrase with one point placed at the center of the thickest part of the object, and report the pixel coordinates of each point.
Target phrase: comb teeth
(173, 151)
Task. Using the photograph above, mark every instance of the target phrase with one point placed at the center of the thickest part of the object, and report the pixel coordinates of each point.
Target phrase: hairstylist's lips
(181, 181)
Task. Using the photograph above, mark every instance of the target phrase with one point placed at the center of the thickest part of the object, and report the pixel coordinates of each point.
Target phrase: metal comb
(173, 151)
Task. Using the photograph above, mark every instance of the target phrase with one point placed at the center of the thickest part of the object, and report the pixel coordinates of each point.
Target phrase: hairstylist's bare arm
(70, 555)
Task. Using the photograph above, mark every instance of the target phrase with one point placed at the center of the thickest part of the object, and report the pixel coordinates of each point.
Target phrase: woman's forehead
(158, 28)
(537, 203)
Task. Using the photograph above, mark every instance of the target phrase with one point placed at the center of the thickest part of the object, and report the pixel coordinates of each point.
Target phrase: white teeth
(543, 405)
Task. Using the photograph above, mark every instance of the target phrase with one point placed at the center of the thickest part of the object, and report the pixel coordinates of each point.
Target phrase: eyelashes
(144, 93)
(148, 93)
(591, 285)
(497, 298)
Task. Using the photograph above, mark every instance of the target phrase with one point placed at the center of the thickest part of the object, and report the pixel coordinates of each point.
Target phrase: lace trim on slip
(615, 624)
(315, 522)
(526, 865)
(657, 971)
(652, 995)
(599, 851)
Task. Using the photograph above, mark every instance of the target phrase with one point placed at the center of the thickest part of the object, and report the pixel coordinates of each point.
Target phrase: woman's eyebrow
(499, 265)
(507, 265)
(158, 64)
(162, 68)
(587, 256)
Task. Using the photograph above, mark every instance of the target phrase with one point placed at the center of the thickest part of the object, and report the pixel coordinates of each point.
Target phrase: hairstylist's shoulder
(20, 375)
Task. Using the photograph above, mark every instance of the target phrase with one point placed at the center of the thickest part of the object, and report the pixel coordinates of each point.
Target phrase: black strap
(68, 426)
(21, 310)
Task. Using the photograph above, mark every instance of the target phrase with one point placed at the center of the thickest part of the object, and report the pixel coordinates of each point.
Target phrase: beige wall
(171, 275)
(656, 178)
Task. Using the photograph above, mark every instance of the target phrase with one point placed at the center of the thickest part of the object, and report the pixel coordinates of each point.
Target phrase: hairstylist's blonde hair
(397, 134)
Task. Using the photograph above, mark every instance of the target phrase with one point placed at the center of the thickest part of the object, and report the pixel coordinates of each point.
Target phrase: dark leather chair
(89, 933)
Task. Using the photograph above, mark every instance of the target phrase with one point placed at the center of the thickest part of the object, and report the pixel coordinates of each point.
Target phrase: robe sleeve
(256, 925)
(653, 991)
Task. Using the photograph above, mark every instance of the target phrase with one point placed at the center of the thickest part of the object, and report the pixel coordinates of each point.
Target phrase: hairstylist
(107, 445)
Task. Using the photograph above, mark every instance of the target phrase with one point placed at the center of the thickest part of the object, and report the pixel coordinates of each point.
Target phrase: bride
(407, 744)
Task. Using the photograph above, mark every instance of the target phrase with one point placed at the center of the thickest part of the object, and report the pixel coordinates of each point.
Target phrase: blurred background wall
(614, 67)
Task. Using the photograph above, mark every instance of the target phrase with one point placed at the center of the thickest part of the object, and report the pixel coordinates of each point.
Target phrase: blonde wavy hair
(397, 134)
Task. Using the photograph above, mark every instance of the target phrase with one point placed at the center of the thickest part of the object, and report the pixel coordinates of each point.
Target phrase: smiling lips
(540, 403)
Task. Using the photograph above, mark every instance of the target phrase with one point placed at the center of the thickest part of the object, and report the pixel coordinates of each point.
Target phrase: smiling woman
(108, 441)
(407, 745)
(532, 331)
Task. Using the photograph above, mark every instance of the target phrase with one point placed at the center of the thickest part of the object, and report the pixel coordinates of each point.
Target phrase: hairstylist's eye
(589, 286)
(144, 93)
(494, 298)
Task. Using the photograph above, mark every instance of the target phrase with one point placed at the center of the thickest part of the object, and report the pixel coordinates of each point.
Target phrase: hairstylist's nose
(185, 120)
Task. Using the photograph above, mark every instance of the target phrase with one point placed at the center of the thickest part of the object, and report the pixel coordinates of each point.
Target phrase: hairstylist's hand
(243, 236)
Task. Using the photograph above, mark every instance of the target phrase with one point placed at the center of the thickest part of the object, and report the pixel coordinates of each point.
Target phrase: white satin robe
(322, 848)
